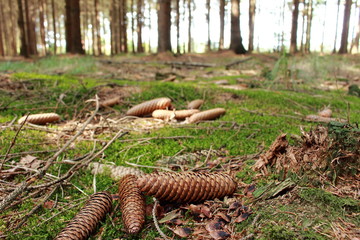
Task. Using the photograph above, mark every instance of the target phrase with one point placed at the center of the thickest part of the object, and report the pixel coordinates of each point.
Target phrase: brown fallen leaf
(49, 204)
(183, 232)
(219, 234)
(30, 162)
(170, 216)
(242, 217)
(224, 216)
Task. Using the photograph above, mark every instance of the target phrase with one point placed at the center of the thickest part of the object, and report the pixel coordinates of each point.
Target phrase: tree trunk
(189, 24)
(208, 24)
(85, 20)
(42, 26)
(222, 24)
(93, 37)
(72, 27)
(337, 25)
(13, 27)
(345, 31)
(97, 27)
(24, 51)
(139, 15)
(164, 25)
(2, 51)
(30, 29)
(236, 40)
(252, 8)
(132, 26)
(149, 12)
(177, 23)
(309, 15)
(323, 30)
(294, 27)
(355, 43)
(123, 25)
(54, 24)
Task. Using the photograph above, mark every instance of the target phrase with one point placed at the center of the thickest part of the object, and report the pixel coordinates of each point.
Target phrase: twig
(10, 124)
(138, 165)
(156, 222)
(227, 66)
(25, 184)
(25, 218)
(28, 152)
(250, 236)
(13, 142)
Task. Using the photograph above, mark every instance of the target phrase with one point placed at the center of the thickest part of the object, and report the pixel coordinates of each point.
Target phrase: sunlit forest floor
(298, 178)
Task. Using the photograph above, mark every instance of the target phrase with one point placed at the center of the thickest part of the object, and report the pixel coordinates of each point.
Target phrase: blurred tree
(139, 26)
(309, 16)
(345, 30)
(189, 24)
(294, 27)
(164, 25)
(252, 8)
(72, 27)
(177, 23)
(236, 40)
(54, 24)
(222, 23)
(208, 46)
(97, 27)
(355, 43)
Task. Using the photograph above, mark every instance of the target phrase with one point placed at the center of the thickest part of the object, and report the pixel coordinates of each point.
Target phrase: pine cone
(186, 187)
(87, 219)
(195, 104)
(116, 172)
(148, 107)
(179, 114)
(132, 204)
(41, 118)
(207, 115)
(110, 102)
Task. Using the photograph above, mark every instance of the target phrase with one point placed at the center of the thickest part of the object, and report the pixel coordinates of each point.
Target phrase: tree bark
(189, 24)
(93, 37)
(208, 24)
(42, 26)
(132, 26)
(355, 43)
(294, 26)
(4, 47)
(139, 9)
(72, 27)
(24, 49)
(345, 31)
(30, 29)
(97, 27)
(12, 26)
(309, 15)
(252, 8)
(222, 24)
(54, 24)
(2, 51)
(323, 30)
(236, 40)
(177, 23)
(164, 25)
(337, 25)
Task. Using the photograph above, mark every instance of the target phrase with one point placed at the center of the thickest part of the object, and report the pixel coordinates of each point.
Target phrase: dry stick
(28, 152)
(77, 166)
(10, 124)
(25, 218)
(24, 185)
(156, 222)
(13, 142)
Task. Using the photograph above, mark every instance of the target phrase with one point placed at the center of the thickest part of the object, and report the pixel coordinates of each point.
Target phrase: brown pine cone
(41, 118)
(87, 219)
(186, 187)
(132, 204)
(148, 107)
(195, 104)
(207, 115)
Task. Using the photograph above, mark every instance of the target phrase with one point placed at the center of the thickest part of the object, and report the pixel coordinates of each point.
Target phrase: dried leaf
(49, 204)
(30, 162)
(242, 217)
(182, 231)
(224, 216)
(249, 190)
(218, 235)
(170, 216)
(234, 205)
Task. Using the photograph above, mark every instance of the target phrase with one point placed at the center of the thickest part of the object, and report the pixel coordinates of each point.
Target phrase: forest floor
(297, 178)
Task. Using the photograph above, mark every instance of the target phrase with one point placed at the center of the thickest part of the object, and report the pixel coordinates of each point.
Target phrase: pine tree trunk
(4, 47)
(85, 20)
(337, 25)
(208, 24)
(24, 51)
(132, 26)
(164, 25)
(236, 40)
(323, 30)
(93, 37)
(189, 25)
(309, 15)
(139, 26)
(294, 27)
(72, 27)
(345, 31)
(54, 25)
(124, 25)
(2, 50)
(252, 8)
(42, 26)
(30, 29)
(177, 21)
(222, 24)
(97, 27)
(13, 27)
(355, 43)
(149, 11)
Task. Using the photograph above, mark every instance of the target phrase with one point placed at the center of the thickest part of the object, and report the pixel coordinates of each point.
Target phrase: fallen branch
(227, 66)
(24, 185)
